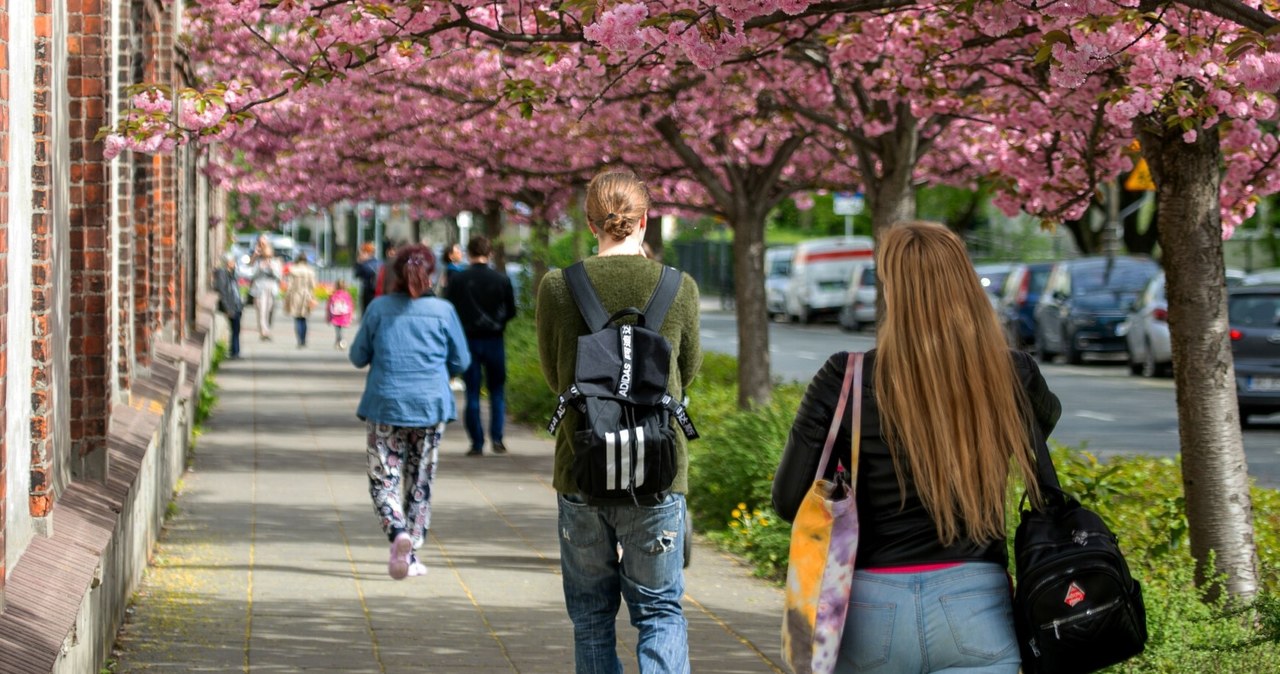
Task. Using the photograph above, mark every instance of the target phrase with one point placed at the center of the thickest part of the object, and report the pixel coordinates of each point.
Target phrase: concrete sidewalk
(274, 561)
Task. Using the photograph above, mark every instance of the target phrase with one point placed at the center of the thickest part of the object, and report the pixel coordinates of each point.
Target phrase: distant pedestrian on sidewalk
(265, 284)
(300, 298)
(229, 301)
(454, 262)
(339, 310)
(367, 267)
(485, 302)
(649, 574)
(930, 486)
(386, 282)
(412, 343)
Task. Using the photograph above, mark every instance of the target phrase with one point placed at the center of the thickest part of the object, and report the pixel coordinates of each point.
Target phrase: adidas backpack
(624, 451)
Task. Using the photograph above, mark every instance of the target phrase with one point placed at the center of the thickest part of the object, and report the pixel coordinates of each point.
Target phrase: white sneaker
(401, 551)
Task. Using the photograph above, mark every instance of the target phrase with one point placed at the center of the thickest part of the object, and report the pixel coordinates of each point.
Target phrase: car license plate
(1264, 384)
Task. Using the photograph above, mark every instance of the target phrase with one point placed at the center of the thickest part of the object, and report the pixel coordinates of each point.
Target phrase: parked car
(993, 275)
(859, 308)
(1253, 313)
(777, 273)
(1084, 302)
(1262, 276)
(1146, 330)
(1018, 299)
(820, 271)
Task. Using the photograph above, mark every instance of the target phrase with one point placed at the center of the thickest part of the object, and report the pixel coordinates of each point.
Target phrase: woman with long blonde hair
(948, 414)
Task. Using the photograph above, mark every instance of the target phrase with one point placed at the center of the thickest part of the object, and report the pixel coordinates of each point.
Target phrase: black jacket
(893, 531)
(228, 289)
(484, 299)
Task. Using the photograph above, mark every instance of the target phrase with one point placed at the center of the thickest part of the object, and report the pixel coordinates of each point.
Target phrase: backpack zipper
(1076, 618)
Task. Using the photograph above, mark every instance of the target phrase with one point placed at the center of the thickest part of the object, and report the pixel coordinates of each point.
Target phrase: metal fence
(710, 263)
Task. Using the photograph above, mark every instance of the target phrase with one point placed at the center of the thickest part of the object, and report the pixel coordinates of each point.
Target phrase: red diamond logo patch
(1075, 595)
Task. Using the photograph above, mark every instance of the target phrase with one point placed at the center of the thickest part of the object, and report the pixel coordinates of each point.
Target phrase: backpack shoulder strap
(663, 297)
(584, 295)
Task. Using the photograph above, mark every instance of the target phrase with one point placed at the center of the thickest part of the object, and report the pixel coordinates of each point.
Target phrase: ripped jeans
(650, 576)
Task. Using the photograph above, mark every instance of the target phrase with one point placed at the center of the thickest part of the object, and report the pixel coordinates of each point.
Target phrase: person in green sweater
(632, 552)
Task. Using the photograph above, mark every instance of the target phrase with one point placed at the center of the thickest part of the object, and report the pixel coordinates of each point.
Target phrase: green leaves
(1045, 52)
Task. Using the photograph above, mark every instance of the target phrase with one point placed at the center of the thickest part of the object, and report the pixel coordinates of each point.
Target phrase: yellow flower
(736, 513)
(742, 506)
(735, 524)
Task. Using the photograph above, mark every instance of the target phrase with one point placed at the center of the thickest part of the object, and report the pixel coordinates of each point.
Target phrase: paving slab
(274, 561)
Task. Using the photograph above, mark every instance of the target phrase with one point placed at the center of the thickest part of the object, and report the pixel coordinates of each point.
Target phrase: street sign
(1139, 179)
(848, 203)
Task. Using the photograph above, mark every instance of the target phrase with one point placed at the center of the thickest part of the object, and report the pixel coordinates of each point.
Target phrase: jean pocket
(868, 634)
(580, 524)
(981, 623)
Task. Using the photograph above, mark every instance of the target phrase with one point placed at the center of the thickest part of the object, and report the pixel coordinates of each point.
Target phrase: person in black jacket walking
(486, 302)
(948, 412)
(229, 301)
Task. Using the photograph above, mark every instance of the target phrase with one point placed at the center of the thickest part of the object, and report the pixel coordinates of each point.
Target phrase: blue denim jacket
(413, 347)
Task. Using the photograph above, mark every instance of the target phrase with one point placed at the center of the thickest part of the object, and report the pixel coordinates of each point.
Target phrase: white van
(820, 273)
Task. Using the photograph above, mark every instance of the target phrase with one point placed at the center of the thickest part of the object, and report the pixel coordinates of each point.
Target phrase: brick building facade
(104, 321)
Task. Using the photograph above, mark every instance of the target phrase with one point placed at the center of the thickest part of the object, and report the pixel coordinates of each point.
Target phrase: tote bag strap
(852, 373)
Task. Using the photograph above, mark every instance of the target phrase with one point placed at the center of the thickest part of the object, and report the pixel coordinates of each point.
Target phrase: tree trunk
(492, 217)
(1139, 243)
(892, 195)
(653, 237)
(1214, 471)
(1088, 241)
(755, 381)
(540, 248)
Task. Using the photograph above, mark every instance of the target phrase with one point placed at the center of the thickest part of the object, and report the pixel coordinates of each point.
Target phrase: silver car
(1147, 332)
(859, 308)
(1147, 328)
(777, 273)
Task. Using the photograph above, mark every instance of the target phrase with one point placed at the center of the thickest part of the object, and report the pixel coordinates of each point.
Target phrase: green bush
(528, 398)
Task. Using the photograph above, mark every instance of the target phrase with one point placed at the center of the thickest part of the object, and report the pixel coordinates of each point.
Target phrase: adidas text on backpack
(625, 448)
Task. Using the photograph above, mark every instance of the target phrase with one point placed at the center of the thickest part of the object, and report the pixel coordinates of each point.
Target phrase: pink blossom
(152, 100)
(113, 144)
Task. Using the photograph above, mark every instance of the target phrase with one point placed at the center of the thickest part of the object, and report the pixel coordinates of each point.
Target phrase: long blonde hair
(951, 405)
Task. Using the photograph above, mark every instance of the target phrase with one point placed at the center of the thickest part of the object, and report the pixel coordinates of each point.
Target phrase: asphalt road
(1104, 407)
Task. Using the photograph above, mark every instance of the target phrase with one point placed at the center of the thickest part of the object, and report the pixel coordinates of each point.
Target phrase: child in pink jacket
(340, 309)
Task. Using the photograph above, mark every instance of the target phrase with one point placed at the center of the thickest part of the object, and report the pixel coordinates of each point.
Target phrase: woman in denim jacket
(948, 413)
(412, 343)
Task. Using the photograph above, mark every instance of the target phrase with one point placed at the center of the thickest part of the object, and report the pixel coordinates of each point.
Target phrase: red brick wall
(4, 268)
(42, 308)
(90, 390)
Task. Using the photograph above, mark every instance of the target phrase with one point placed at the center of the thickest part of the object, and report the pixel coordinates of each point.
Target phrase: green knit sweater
(621, 281)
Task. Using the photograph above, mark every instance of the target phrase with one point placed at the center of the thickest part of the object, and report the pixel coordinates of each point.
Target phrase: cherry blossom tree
(1043, 98)
(1197, 91)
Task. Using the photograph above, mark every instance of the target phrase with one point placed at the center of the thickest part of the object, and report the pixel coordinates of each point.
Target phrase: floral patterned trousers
(402, 468)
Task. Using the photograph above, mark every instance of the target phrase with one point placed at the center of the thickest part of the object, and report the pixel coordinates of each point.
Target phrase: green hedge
(732, 466)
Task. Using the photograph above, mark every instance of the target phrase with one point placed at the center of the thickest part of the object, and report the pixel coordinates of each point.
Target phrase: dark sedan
(1083, 303)
(1254, 315)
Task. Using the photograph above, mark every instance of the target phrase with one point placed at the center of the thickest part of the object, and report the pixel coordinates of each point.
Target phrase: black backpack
(1077, 609)
(625, 449)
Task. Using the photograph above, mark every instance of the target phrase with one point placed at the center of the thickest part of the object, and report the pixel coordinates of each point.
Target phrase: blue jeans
(650, 576)
(233, 349)
(490, 354)
(300, 328)
(951, 620)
